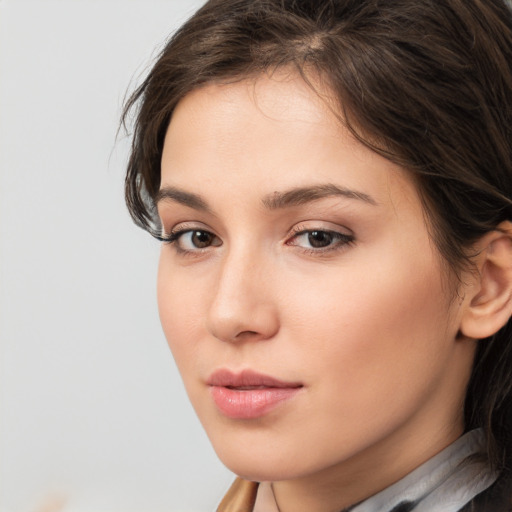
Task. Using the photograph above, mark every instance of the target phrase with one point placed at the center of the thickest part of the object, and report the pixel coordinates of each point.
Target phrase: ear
(488, 295)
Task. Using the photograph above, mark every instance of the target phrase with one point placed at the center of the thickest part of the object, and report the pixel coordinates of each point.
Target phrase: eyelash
(340, 240)
(174, 236)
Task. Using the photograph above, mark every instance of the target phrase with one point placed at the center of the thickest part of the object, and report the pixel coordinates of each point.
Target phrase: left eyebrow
(302, 195)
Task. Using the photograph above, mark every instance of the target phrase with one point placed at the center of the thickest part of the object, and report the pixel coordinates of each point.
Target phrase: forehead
(282, 95)
(268, 133)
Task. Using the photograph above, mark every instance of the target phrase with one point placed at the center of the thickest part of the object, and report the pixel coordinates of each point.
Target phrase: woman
(332, 183)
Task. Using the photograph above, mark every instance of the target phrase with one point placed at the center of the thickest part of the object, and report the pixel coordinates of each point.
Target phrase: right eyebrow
(180, 196)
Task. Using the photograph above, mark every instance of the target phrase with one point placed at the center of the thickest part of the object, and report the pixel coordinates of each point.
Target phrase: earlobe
(489, 296)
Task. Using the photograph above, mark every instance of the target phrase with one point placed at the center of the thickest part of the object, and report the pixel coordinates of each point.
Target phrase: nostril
(238, 318)
(249, 335)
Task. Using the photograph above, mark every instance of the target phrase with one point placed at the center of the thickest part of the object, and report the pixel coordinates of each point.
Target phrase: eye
(318, 239)
(188, 240)
(195, 239)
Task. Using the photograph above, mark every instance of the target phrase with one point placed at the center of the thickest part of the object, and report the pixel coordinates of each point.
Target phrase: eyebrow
(182, 197)
(302, 195)
(277, 200)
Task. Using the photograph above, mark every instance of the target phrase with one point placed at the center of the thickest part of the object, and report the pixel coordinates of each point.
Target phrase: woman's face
(301, 295)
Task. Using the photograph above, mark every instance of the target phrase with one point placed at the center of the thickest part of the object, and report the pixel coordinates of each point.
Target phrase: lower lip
(249, 404)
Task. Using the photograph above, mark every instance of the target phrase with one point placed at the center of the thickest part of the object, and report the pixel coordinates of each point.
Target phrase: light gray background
(91, 404)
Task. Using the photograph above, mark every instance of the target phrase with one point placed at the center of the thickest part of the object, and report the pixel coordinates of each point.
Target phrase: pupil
(319, 238)
(201, 239)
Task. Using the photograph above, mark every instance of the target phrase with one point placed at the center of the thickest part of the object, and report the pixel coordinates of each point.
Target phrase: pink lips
(248, 394)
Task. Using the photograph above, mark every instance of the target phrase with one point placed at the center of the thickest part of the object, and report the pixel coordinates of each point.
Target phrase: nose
(243, 305)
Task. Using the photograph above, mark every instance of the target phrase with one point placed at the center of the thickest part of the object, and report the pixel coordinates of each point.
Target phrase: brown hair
(426, 83)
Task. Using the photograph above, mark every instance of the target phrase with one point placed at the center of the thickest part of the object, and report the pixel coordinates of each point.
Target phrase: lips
(248, 394)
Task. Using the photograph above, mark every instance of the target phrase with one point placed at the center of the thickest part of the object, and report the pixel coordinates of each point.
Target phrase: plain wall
(91, 404)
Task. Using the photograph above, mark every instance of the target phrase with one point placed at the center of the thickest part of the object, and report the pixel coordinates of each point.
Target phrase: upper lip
(247, 378)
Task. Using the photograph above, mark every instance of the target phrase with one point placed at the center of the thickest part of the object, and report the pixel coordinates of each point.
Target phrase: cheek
(374, 328)
(181, 311)
(372, 346)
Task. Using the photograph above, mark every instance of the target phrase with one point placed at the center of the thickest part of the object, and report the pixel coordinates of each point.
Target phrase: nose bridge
(242, 305)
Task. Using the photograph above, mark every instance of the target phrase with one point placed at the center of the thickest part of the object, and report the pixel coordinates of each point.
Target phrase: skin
(367, 323)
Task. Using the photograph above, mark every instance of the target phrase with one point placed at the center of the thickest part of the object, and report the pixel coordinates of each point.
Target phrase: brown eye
(319, 239)
(190, 240)
(201, 239)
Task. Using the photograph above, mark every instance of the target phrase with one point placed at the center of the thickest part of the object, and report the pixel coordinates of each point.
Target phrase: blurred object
(52, 503)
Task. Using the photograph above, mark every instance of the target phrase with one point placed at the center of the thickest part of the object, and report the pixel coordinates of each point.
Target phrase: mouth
(248, 394)
(247, 380)
(246, 388)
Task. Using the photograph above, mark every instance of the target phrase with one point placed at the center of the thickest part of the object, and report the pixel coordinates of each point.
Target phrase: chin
(262, 463)
(259, 472)
(247, 463)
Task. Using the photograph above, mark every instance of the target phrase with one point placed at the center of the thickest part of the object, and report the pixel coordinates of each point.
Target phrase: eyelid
(180, 228)
(179, 240)
(307, 226)
(342, 238)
